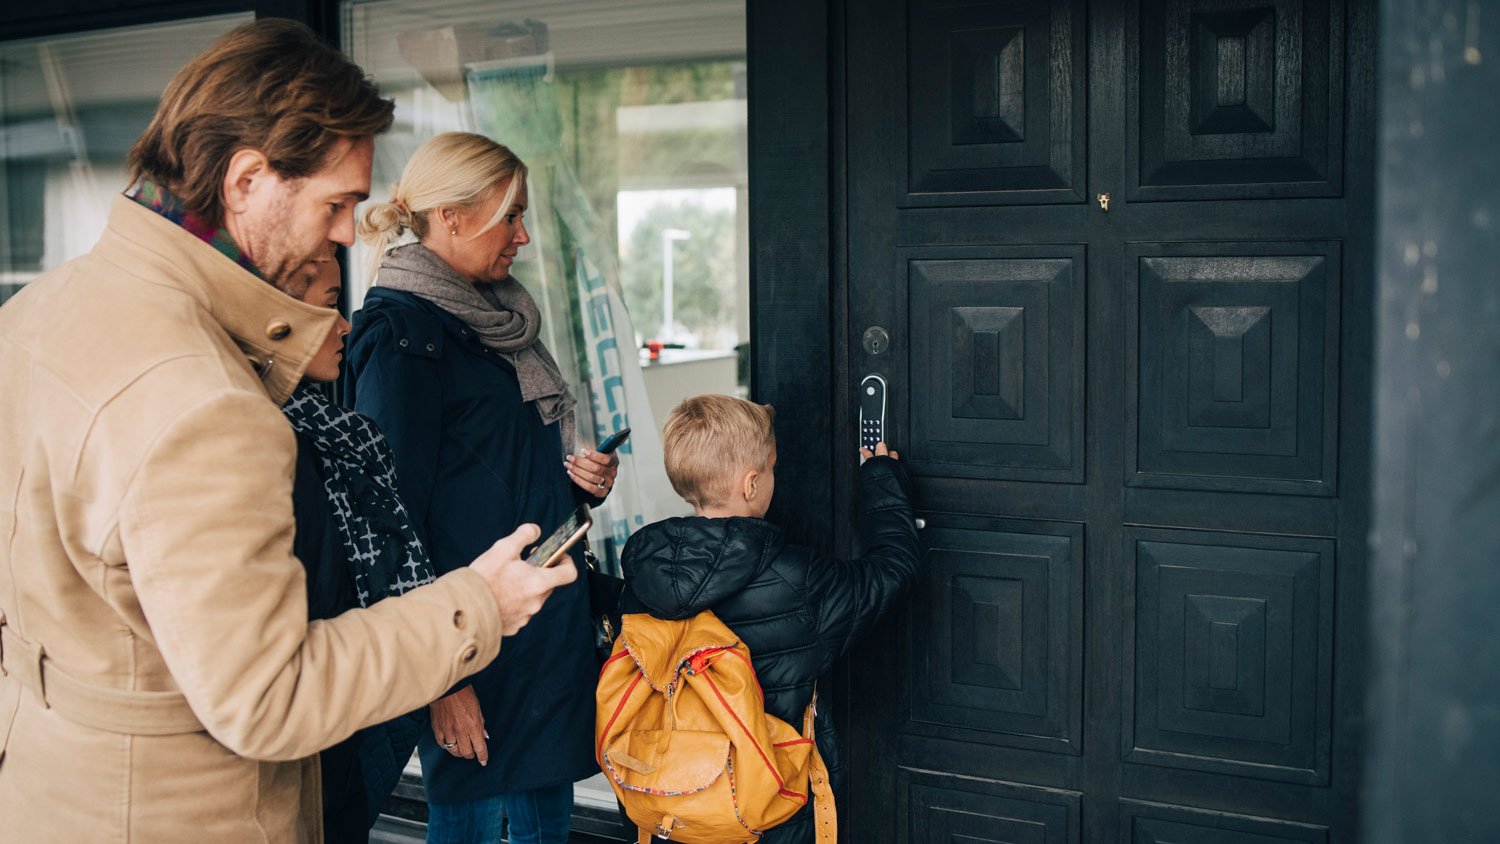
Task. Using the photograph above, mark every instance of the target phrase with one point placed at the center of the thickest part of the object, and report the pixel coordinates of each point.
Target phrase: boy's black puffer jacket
(797, 610)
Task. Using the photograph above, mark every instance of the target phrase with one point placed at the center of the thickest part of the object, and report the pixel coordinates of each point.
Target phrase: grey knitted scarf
(501, 313)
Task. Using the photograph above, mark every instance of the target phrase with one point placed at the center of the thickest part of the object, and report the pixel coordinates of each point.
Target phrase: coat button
(278, 330)
(402, 343)
(431, 348)
(458, 619)
(469, 653)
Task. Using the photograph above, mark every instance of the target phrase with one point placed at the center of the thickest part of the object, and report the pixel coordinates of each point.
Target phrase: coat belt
(114, 710)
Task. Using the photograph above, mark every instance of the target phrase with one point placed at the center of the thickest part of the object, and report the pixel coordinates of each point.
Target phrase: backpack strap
(825, 814)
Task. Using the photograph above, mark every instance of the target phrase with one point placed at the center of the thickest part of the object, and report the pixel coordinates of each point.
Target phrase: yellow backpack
(682, 733)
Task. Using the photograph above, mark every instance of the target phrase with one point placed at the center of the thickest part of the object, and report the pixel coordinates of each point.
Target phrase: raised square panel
(997, 345)
(1229, 653)
(987, 345)
(1142, 822)
(997, 634)
(1232, 356)
(989, 85)
(995, 102)
(1233, 71)
(952, 810)
(1224, 662)
(1236, 99)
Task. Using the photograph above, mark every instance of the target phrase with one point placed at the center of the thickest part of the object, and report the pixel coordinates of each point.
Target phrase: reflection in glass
(631, 118)
(70, 109)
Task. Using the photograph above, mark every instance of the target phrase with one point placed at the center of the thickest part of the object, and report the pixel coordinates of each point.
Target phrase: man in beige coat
(160, 679)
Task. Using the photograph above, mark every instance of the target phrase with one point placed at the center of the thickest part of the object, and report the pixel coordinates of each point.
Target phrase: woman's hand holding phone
(594, 471)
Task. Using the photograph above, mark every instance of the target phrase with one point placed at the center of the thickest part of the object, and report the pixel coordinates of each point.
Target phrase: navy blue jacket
(473, 461)
(795, 609)
(330, 592)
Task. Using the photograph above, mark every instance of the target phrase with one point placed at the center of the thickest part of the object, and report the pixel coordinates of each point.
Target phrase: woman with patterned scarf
(356, 540)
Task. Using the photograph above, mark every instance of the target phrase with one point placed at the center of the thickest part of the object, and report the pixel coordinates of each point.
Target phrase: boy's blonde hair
(709, 440)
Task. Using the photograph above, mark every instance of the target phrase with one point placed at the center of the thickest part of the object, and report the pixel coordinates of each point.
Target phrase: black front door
(1121, 252)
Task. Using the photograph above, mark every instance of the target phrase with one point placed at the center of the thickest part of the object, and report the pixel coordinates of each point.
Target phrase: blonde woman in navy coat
(445, 357)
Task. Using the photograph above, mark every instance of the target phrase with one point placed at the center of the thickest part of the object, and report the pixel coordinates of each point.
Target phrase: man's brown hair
(708, 440)
(270, 85)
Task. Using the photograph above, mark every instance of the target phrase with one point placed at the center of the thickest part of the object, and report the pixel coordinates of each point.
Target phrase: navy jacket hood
(680, 567)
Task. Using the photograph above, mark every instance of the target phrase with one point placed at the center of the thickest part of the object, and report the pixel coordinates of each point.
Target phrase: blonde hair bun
(452, 170)
(382, 218)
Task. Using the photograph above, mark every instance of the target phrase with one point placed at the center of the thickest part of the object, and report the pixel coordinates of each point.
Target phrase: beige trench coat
(161, 680)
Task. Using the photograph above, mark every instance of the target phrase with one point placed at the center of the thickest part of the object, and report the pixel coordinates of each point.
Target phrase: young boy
(795, 609)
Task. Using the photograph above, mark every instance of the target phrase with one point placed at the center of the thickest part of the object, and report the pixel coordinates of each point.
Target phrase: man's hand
(880, 450)
(520, 589)
(458, 725)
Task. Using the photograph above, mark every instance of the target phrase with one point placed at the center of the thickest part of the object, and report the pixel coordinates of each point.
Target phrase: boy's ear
(748, 482)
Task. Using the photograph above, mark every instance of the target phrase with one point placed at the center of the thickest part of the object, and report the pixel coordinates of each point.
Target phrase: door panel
(997, 635)
(1002, 84)
(1000, 332)
(1228, 659)
(1154, 823)
(1123, 419)
(948, 810)
(1234, 366)
(1236, 99)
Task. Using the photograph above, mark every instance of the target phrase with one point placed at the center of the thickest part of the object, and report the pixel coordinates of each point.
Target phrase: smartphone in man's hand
(552, 549)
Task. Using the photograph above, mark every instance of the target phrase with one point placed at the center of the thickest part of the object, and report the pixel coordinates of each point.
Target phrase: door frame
(799, 280)
(798, 286)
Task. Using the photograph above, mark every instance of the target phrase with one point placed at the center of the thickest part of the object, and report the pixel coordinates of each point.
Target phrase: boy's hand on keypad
(881, 450)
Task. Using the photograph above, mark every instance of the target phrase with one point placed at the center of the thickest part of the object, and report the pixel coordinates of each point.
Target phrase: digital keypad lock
(872, 406)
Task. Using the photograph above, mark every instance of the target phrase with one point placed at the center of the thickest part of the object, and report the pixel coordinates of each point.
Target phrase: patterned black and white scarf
(359, 475)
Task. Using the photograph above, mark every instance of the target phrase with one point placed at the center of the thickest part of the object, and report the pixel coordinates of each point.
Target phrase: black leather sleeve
(849, 596)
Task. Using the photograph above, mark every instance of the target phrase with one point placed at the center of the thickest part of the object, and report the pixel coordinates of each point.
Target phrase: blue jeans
(474, 822)
(539, 816)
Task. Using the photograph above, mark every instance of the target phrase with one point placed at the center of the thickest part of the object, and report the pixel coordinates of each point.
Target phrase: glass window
(70, 108)
(631, 119)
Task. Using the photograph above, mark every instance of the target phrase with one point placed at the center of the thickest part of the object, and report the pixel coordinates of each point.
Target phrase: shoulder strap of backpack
(825, 814)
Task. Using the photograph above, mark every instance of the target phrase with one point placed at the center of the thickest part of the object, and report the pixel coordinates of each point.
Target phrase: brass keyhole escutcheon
(1103, 202)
